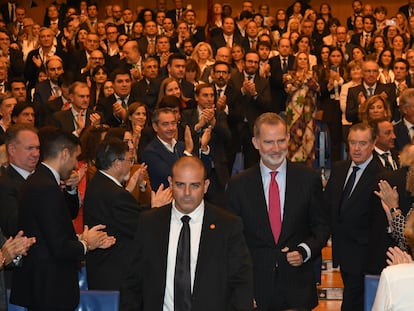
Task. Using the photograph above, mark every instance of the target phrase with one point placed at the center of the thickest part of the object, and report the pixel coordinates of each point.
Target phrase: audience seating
(371, 284)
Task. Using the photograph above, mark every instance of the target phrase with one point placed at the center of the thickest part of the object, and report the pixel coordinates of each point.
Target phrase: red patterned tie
(275, 218)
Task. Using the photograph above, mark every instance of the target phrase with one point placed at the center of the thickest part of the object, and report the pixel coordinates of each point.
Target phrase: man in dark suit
(280, 65)
(227, 37)
(215, 272)
(146, 90)
(384, 152)
(107, 201)
(147, 42)
(357, 7)
(369, 87)
(8, 11)
(401, 82)
(350, 200)
(177, 13)
(22, 146)
(45, 213)
(404, 129)
(115, 107)
(204, 116)
(128, 22)
(79, 117)
(285, 231)
(407, 10)
(79, 61)
(253, 99)
(161, 153)
(196, 32)
(364, 38)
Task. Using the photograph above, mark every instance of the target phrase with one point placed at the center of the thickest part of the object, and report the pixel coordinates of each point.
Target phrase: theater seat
(371, 284)
(91, 300)
(83, 282)
(11, 306)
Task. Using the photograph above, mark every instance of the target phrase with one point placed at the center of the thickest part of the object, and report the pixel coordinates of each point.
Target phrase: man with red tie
(284, 224)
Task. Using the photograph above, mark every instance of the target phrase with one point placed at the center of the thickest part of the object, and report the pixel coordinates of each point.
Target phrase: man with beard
(48, 279)
(284, 225)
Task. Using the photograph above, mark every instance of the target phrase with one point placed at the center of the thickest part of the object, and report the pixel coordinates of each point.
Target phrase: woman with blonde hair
(203, 55)
(375, 107)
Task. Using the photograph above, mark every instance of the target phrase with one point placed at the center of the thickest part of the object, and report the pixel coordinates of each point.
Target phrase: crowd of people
(121, 130)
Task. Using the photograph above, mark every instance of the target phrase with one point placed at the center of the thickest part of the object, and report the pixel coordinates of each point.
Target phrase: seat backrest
(98, 300)
(371, 284)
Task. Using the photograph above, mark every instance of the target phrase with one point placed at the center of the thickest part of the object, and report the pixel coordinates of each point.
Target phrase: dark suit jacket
(352, 99)
(104, 106)
(160, 161)
(218, 41)
(304, 221)
(45, 214)
(394, 156)
(402, 135)
(109, 204)
(405, 9)
(10, 184)
(16, 69)
(380, 240)
(43, 91)
(247, 107)
(147, 93)
(65, 120)
(277, 87)
(220, 139)
(223, 278)
(351, 228)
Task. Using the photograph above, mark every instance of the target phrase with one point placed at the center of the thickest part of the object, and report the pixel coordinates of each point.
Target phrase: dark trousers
(353, 298)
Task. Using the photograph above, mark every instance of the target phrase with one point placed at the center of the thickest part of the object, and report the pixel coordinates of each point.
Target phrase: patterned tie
(182, 276)
(370, 91)
(387, 163)
(275, 218)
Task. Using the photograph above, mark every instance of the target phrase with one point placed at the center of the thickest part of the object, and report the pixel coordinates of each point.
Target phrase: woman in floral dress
(302, 89)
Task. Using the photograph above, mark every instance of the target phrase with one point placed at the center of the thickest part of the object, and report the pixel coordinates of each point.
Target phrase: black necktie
(387, 163)
(250, 77)
(128, 30)
(182, 276)
(219, 91)
(370, 91)
(123, 103)
(284, 65)
(349, 185)
(12, 13)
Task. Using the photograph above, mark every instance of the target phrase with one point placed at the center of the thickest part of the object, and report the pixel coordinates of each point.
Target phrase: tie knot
(273, 175)
(185, 219)
(355, 169)
(249, 77)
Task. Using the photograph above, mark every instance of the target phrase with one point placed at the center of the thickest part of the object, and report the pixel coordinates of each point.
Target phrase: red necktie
(275, 218)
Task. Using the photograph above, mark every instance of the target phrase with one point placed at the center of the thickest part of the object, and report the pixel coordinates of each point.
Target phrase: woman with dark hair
(137, 30)
(319, 32)
(304, 44)
(192, 73)
(331, 82)
(323, 62)
(237, 53)
(398, 46)
(137, 121)
(325, 11)
(96, 84)
(280, 26)
(302, 89)
(377, 44)
(90, 139)
(358, 54)
(386, 64)
(331, 39)
(170, 86)
(146, 15)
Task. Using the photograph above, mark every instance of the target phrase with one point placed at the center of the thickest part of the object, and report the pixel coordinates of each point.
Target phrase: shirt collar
(54, 172)
(265, 171)
(196, 215)
(25, 174)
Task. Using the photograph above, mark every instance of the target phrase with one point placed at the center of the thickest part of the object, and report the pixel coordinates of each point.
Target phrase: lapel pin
(212, 226)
